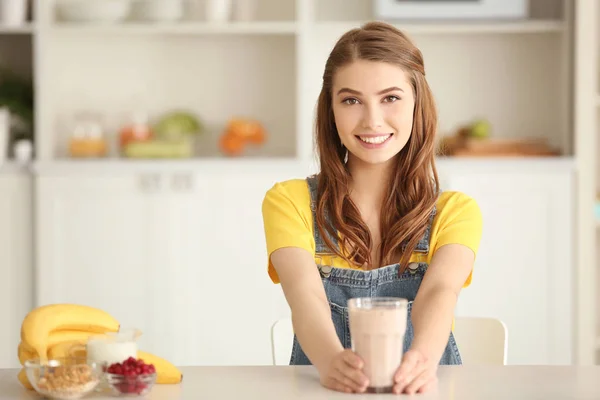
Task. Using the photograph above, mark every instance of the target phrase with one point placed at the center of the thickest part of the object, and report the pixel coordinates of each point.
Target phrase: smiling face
(373, 104)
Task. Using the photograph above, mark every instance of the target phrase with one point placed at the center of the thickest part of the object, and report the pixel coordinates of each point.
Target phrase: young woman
(373, 222)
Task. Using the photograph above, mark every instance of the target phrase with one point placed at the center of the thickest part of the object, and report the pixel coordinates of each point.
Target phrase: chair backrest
(282, 335)
(480, 340)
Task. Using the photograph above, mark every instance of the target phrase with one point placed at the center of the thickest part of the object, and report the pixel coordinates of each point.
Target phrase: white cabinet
(16, 262)
(181, 256)
(222, 303)
(523, 273)
(96, 245)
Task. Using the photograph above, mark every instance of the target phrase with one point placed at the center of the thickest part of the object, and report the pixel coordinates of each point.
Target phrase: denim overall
(341, 284)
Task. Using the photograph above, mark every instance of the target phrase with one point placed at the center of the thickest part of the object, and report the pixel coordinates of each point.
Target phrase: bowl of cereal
(66, 378)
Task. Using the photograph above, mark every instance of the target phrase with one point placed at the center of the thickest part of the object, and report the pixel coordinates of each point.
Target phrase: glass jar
(113, 347)
(88, 136)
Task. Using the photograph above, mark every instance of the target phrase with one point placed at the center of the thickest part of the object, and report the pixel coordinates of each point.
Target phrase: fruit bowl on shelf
(63, 378)
(132, 377)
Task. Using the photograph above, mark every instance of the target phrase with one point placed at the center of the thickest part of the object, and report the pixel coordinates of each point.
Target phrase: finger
(352, 359)
(409, 377)
(410, 362)
(429, 386)
(336, 385)
(419, 381)
(352, 368)
(345, 375)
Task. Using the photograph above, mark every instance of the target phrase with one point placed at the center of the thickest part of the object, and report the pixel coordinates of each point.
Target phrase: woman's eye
(391, 99)
(350, 101)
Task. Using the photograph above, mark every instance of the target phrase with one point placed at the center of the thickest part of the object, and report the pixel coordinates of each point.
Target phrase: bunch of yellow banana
(62, 330)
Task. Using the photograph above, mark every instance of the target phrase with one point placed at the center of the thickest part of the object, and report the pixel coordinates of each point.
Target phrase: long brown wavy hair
(413, 189)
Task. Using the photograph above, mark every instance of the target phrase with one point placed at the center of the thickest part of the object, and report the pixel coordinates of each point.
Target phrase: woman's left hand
(416, 374)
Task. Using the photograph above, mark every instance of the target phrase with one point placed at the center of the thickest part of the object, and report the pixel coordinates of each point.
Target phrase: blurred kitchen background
(138, 138)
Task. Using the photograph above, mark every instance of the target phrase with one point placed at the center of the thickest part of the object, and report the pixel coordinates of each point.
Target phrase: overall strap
(423, 244)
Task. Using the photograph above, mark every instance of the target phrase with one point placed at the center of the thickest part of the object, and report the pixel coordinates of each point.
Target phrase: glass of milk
(377, 329)
(113, 347)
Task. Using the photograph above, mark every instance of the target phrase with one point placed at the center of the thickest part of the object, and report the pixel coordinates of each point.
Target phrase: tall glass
(377, 329)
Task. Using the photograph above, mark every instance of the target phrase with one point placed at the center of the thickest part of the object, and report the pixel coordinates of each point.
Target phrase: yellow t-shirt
(288, 222)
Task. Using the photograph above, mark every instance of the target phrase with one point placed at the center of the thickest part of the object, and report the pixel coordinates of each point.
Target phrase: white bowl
(93, 11)
(157, 10)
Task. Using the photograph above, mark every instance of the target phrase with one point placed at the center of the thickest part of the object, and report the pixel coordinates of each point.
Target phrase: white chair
(480, 340)
(282, 335)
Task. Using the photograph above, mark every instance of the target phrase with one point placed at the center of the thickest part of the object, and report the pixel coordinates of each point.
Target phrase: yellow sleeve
(287, 219)
(460, 222)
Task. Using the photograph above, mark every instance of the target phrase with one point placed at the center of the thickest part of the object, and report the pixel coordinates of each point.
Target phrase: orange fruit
(231, 145)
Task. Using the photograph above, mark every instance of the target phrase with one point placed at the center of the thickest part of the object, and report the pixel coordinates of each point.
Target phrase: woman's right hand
(338, 369)
(344, 373)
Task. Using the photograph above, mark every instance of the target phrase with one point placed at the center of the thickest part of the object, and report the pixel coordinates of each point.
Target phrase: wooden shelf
(181, 28)
(463, 27)
(17, 30)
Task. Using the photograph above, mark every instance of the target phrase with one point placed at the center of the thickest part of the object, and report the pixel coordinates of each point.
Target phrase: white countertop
(290, 383)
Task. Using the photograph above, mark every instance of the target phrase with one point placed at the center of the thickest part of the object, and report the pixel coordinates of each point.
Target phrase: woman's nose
(373, 118)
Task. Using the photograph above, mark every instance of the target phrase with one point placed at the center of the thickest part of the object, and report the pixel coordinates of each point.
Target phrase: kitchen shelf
(447, 165)
(216, 78)
(111, 165)
(518, 27)
(182, 28)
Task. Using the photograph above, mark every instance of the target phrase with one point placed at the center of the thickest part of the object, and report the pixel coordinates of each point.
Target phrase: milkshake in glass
(377, 329)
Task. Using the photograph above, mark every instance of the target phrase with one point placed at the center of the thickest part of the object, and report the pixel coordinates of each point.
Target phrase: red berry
(151, 369)
(122, 387)
(140, 387)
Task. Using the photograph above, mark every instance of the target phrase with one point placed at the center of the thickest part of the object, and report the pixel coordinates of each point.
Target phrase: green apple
(480, 129)
(177, 125)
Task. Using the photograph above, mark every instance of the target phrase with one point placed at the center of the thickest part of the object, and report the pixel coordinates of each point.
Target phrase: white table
(290, 383)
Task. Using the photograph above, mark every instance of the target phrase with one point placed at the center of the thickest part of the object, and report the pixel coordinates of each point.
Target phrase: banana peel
(67, 349)
(42, 321)
(166, 373)
(24, 380)
(25, 353)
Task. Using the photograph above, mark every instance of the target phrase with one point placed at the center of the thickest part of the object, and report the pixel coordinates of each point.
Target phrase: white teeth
(375, 139)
